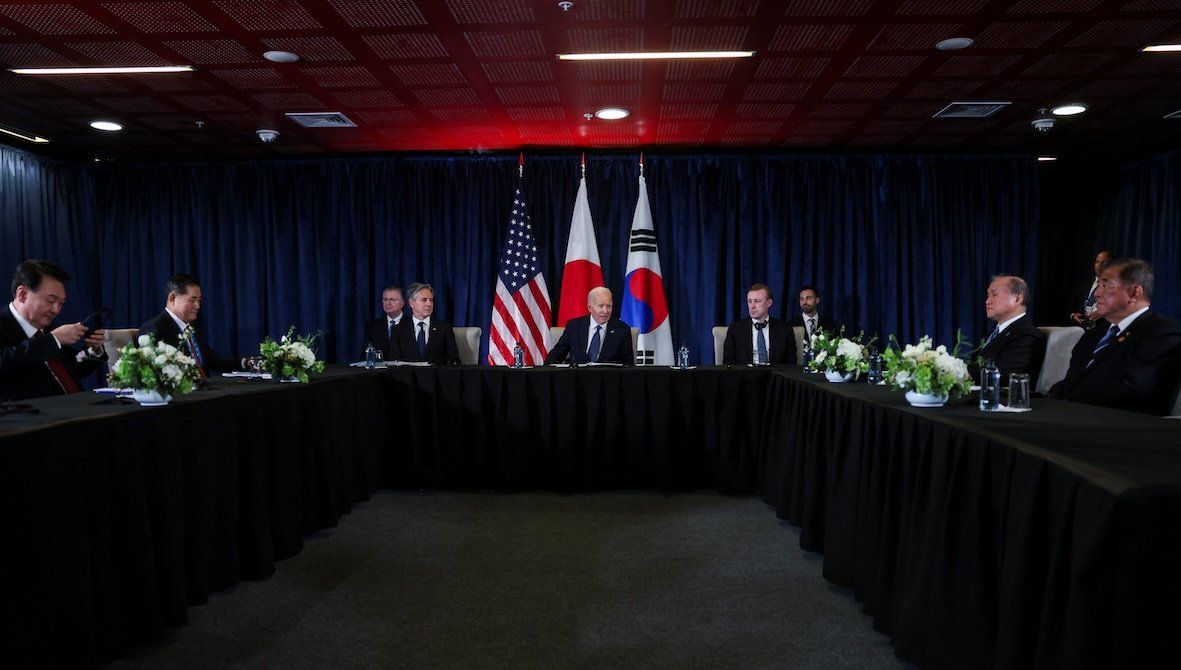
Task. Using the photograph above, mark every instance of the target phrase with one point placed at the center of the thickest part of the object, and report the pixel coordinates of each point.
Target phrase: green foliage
(292, 357)
(147, 365)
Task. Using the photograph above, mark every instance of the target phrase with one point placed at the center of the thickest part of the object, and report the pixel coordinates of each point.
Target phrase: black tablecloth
(1044, 539)
(117, 517)
(975, 540)
(577, 429)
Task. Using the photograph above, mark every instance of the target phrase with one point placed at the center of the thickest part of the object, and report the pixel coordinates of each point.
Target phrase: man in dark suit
(760, 340)
(1131, 359)
(174, 326)
(1086, 318)
(35, 361)
(809, 317)
(596, 337)
(422, 337)
(380, 332)
(1015, 345)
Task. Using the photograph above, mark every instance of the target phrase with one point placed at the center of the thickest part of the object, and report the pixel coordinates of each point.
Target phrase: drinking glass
(1019, 391)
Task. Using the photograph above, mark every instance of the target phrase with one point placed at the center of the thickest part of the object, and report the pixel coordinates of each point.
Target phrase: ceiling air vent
(321, 119)
(970, 110)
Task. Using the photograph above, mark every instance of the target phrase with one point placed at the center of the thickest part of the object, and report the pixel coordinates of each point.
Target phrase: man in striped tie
(34, 360)
(1131, 359)
(175, 326)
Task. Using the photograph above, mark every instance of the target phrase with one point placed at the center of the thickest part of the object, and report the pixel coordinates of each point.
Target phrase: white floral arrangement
(924, 368)
(148, 365)
(836, 353)
(292, 357)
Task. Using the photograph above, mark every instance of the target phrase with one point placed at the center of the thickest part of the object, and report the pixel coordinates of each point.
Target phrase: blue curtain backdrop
(896, 244)
(1144, 220)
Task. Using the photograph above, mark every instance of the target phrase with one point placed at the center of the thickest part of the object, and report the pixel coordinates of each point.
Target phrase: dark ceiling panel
(482, 74)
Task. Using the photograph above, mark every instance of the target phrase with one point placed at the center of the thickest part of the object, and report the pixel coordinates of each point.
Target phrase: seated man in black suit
(1131, 359)
(380, 332)
(809, 317)
(36, 362)
(422, 337)
(175, 326)
(596, 337)
(1015, 345)
(760, 340)
(1086, 318)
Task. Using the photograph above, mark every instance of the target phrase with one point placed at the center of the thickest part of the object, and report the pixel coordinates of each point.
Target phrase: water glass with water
(990, 388)
(683, 357)
(518, 356)
(1019, 391)
(370, 357)
(875, 367)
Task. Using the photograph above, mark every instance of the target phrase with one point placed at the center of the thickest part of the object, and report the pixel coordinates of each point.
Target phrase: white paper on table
(247, 375)
(1006, 408)
(602, 365)
(677, 367)
(408, 364)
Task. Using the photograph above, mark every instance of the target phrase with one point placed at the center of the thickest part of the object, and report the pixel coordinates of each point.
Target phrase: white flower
(172, 373)
(144, 340)
(159, 359)
(902, 378)
(849, 349)
(941, 349)
(821, 356)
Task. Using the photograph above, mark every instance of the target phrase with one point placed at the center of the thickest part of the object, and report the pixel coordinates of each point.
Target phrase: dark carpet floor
(475, 580)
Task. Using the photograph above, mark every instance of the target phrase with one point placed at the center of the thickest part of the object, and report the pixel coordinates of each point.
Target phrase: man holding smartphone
(34, 360)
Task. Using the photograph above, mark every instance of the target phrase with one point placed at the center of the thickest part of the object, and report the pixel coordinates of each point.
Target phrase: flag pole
(521, 165)
(641, 163)
(582, 165)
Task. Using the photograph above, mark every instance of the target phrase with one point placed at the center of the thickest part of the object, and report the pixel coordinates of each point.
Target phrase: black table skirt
(1046, 539)
(578, 429)
(975, 540)
(117, 518)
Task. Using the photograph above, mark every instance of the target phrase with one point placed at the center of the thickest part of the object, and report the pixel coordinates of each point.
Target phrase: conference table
(1044, 539)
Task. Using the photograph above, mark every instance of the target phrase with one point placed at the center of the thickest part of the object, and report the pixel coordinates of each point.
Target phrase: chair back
(467, 341)
(1176, 411)
(1060, 341)
(116, 339)
(799, 333)
(719, 342)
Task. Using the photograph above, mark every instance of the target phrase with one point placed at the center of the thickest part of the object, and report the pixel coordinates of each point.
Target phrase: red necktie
(61, 374)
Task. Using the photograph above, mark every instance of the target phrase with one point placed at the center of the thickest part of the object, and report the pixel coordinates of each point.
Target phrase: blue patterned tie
(422, 340)
(992, 336)
(761, 353)
(1103, 343)
(389, 331)
(596, 345)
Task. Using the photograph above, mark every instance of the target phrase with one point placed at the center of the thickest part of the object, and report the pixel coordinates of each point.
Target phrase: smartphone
(95, 320)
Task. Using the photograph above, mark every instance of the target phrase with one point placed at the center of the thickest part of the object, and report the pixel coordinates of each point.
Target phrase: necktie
(596, 345)
(61, 374)
(992, 336)
(1104, 343)
(191, 343)
(811, 326)
(389, 331)
(761, 352)
(422, 340)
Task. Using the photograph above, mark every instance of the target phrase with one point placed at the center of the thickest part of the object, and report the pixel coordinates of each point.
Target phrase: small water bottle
(808, 358)
(370, 357)
(683, 357)
(875, 367)
(990, 387)
(518, 356)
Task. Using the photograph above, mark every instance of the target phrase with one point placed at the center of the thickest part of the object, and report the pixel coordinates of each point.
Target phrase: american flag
(521, 308)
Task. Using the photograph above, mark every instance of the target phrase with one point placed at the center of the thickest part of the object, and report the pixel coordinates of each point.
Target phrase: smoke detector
(1044, 123)
(267, 135)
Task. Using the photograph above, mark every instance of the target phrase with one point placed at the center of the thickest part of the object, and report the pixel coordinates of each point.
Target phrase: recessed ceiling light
(108, 126)
(954, 43)
(1069, 110)
(1046, 159)
(36, 139)
(612, 113)
(280, 56)
(656, 55)
(102, 70)
(1162, 47)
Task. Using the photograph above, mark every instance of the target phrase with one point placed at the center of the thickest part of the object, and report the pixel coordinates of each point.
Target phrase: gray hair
(1017, 286)
(414, 288)
(1135, 271)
